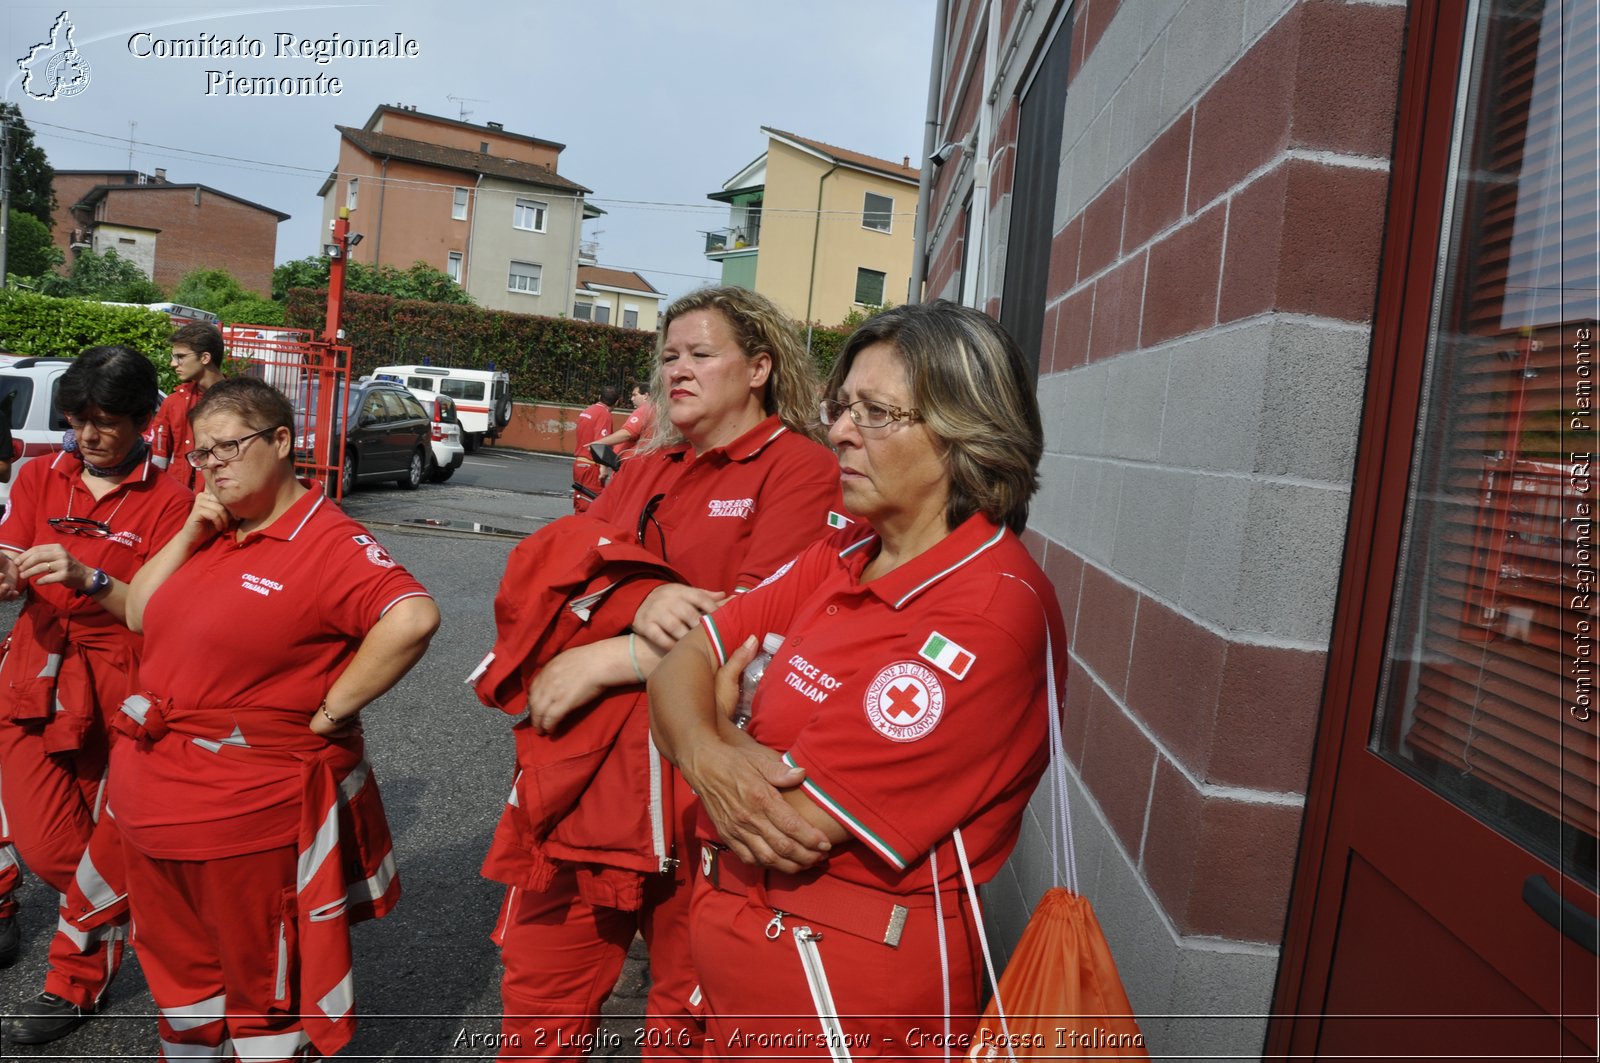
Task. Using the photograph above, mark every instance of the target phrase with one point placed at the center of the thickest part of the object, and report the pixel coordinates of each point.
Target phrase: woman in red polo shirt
(733, 489)
(909, 699)
(271, 620)
(78, 526)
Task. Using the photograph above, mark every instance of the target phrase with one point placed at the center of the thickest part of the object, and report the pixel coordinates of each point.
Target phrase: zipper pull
(775, 925)
(806, 935)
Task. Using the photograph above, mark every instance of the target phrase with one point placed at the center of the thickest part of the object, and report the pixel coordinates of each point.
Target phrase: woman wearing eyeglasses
(77, 529)
(271, 621)
(909, 700)
(731, 488)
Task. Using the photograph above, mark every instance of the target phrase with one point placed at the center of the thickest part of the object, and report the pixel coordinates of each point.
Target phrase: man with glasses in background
(197, 353)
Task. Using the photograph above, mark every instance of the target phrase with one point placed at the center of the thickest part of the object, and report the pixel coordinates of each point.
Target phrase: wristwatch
(98, 581)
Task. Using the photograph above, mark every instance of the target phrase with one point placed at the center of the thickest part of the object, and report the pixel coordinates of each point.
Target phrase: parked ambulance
(482, 396)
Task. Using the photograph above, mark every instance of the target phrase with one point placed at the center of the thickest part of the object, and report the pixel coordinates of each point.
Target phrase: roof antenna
(462, 101)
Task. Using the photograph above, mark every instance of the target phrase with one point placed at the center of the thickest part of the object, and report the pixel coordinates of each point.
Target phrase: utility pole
(5, 193)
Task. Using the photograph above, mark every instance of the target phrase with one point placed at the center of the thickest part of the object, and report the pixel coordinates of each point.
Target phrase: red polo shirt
(732, 515)
(593, 422)
(260, 627)
(916, 703)
(143, 511)
(171, 437)
(638, 424)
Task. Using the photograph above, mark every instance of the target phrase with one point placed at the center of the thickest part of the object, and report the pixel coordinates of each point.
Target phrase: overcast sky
(657, 101)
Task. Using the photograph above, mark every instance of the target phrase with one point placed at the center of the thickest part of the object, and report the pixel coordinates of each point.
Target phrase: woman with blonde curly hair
(730, 486)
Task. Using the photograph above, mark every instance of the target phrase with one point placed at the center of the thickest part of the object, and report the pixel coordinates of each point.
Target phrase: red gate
(315, 376)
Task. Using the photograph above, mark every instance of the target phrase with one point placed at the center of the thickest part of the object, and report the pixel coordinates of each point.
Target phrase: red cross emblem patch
(905, 701)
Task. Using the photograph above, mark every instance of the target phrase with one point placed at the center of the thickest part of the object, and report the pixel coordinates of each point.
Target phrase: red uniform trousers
(202, 928)
(889, 999)
(52, 801)
(562, 955)
(585, 471)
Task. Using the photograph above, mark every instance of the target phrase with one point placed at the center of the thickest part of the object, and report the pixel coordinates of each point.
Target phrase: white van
(482, 396)
(37, 426)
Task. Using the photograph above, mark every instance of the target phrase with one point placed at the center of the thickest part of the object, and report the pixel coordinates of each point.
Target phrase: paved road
(515, 470)
(427, 976)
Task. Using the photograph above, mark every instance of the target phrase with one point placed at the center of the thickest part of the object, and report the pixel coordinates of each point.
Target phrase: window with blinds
(1488, 693)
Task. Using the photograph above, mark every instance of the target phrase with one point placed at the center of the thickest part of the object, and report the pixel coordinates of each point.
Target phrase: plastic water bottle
(752, 677)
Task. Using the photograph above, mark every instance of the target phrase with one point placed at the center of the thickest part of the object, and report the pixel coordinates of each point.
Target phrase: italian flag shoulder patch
(838, 520)
(949, 657)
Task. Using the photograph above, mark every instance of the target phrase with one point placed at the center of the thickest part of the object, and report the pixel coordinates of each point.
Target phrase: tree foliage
(108, 277)
(421, 281)
(32, 177)
(220, 292)
(29, 249)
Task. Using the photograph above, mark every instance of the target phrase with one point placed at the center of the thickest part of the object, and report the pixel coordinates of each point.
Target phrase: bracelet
(633, 657)
(323, 708)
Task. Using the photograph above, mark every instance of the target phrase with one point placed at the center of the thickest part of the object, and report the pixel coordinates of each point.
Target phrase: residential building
(616, 297)
(821, 230)
(1311, 286)
(478, 202)
(165, 228)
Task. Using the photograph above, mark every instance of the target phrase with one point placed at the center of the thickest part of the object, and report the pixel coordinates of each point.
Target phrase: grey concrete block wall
(1153, 527)
(1213, 472)
(1311, 401)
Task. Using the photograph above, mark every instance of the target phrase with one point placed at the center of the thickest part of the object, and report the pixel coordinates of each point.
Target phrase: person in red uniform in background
(631, 435)
(242, 754)
(197, 354)
(77, 529)
(909, 700)
(593, 422)
(735, 489)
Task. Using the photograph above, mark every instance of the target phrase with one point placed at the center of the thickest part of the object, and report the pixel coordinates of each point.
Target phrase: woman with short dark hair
(78, 527)
(907, 701)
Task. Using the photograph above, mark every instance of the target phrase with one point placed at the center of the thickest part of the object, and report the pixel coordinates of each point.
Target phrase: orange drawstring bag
(1060, 996)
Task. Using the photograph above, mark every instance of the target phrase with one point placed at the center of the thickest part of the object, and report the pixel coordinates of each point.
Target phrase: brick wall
(69, 188)
(199, 230)
(1224, 171)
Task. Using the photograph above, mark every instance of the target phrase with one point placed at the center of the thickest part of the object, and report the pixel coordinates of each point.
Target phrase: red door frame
(1414, 225)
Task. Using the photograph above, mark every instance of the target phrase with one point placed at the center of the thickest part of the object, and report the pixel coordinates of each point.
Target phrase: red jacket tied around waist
(346, 871)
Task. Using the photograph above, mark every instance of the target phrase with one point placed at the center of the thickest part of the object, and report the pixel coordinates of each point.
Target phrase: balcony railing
(719, 241)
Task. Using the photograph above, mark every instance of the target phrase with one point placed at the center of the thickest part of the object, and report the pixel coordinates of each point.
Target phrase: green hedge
(550, 359)
(48, 327)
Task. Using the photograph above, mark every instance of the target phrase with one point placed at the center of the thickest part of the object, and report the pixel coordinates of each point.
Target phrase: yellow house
(616, 297)
(819, 229)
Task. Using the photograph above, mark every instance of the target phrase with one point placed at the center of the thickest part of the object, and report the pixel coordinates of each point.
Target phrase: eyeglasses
(99, 424)
(223, 451)
(865, 413)
(87, 527)
(647, 516)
